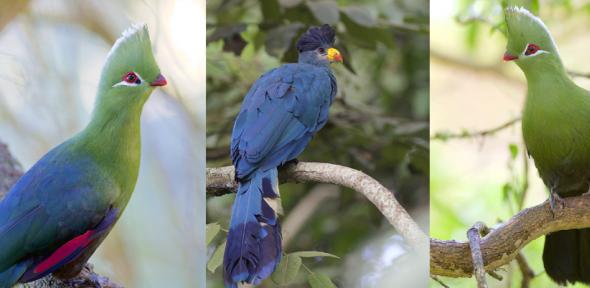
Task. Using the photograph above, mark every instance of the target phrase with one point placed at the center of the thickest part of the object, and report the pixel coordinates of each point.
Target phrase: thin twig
(439, 281)
(527, 272)
(474, 236)
(482, 133)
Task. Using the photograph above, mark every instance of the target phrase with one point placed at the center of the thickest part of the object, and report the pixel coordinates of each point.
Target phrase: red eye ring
(531, 49)
(131, 78)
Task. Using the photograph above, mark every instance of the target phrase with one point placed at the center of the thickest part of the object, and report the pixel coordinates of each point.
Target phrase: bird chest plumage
(556, 130)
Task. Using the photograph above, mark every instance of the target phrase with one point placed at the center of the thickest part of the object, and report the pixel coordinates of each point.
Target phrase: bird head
(530, 44)
(130, 73)
(316, 46)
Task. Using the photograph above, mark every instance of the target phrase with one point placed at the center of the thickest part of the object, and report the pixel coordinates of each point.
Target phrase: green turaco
(556, 130)
(58, 213)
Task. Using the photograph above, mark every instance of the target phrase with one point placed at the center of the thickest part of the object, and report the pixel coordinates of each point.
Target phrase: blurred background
(378, 124)
(488, 178)
(51, 55)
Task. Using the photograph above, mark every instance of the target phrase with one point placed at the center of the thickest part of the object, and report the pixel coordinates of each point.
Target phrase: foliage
(378, 124)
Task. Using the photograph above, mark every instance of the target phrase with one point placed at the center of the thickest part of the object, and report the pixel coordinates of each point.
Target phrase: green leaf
(271, 12)
(513, 150)
(326, 12)
(280, 39)
(317, 280)
(211, 231)
(311, 254)
(287, 270)
(360, 16)
(217, 258)
(289, 3)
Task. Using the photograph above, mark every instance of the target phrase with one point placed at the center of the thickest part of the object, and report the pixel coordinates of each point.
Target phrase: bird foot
(555, 202)
(290, 162)
(89, 280)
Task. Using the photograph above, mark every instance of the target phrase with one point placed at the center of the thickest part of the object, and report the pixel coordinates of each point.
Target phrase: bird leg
(87, 278)
(290, 162)
(555, 201)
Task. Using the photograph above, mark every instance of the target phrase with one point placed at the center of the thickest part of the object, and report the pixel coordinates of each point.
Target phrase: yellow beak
(334, 55)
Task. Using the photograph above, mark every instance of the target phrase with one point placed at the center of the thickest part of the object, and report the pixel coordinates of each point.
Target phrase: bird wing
(279, 115)
(57, 200)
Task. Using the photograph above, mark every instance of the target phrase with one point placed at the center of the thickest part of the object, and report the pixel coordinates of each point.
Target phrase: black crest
(316, 37)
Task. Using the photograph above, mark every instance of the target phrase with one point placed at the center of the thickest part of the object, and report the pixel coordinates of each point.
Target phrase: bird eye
(131, 78)
(531, 49)
(321, 50)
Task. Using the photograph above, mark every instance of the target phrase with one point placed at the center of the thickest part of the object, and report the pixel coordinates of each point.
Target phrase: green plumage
(58, 213)
(556, 130)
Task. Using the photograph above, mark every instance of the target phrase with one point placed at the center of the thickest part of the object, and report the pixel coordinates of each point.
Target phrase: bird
(57, 214)
(282, 111)
(556, 132)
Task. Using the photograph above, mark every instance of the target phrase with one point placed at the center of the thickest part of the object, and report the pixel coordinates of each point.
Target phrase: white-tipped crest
(523, 12)
(125, 35)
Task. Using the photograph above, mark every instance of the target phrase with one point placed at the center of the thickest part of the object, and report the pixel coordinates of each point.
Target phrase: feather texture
(556, 132)
(280, 114)
(58, 212)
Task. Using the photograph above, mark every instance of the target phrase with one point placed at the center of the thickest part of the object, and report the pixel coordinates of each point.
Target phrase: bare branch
(467, 134)
(474, 235)
(452, 258)
(221, 181)
(527, 272)
(10, 171)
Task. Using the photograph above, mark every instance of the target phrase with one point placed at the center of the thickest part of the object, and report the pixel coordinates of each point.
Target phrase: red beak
(508, 57)
(160, 81)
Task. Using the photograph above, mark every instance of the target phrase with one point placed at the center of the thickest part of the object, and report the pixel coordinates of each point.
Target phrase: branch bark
(10, 172)
(221, 181)
(453, 259)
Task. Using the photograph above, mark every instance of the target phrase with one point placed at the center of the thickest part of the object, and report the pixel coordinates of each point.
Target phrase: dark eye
(321, 50)
(531, 49)
(131, 78)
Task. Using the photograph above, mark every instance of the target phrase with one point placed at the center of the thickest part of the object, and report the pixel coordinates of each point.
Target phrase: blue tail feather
(253, 247)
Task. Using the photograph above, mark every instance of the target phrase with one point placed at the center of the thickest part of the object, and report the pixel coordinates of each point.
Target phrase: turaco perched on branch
(58, 213)
(280, 114)
(556, 130)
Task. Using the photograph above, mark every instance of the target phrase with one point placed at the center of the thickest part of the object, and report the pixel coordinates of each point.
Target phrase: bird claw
(290, 162)
(91, 280)
(555, 202)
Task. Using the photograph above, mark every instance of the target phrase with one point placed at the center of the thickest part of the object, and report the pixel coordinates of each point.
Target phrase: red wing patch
(71, 247)
(70, 250)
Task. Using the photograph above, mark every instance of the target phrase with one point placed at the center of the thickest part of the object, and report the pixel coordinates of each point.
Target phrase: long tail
(253, 247)
(566, 256)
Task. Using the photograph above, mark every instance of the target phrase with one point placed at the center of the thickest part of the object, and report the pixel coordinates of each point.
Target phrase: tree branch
(444, 136)
(10, 171)
(221, 181)
(453, 259)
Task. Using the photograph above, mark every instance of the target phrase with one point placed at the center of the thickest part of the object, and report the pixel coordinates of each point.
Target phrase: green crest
(525, 28)
(132, 52)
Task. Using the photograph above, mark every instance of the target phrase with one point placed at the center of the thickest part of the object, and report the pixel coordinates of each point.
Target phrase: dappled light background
(378, 124)
(472, 89)
(51, 55)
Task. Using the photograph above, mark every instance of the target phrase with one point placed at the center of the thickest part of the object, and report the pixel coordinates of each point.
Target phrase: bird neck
(547, 80)
(113, 137)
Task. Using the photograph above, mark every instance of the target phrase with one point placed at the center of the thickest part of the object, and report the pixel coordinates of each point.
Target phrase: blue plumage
(59, 198)
(280, 114)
